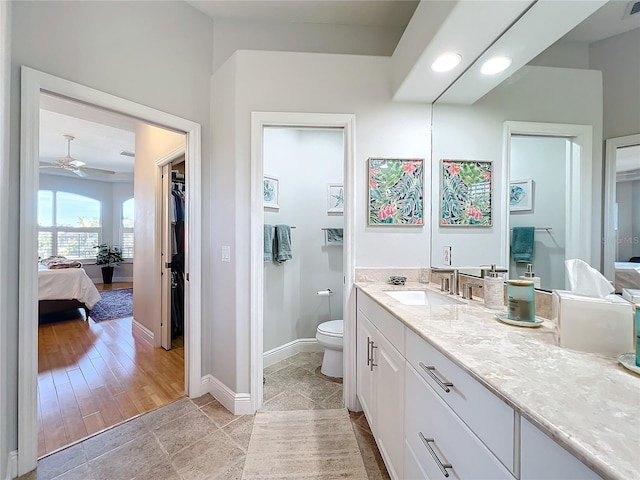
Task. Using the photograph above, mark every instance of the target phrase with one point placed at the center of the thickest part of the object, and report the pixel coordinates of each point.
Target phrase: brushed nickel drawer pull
(431, 372)
(368, 351)
(442, 466)
(372, 362)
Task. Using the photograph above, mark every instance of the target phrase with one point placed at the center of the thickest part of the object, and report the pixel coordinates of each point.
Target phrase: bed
(65, 289)
(627, 276)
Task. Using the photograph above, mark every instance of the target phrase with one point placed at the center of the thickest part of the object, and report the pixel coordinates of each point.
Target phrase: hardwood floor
(96, 375)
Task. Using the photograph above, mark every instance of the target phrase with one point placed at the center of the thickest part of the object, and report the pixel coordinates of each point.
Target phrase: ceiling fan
(72, 165)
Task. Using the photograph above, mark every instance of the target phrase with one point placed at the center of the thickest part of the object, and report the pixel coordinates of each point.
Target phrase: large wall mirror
(543, 126)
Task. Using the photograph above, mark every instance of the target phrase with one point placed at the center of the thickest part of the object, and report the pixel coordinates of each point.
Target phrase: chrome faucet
(453, 287)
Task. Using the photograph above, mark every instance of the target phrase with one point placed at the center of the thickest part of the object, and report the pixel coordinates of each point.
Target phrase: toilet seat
(332, 328)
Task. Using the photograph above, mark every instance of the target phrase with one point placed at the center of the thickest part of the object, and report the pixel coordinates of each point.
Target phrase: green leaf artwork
(466, 193)
(396, 191)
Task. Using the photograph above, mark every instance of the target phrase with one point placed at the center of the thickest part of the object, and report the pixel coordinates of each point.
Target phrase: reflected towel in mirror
(522, 244)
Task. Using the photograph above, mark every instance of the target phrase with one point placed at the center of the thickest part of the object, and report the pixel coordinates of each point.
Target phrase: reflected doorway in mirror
(520, 195)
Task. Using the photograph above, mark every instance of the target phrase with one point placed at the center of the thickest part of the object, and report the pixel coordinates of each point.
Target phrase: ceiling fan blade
(80, 173)
(97, 170)
(48, 164)
(77, 163)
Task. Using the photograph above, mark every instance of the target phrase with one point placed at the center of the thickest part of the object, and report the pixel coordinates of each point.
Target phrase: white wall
(152, 144)
(543, 160)
(298, 82)
(305, 161)
(617, 57)
(230, 35)
(154, 53)
(533, 94)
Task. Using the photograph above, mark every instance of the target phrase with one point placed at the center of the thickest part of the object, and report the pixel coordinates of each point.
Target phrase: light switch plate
(446, 258)
(226, 254)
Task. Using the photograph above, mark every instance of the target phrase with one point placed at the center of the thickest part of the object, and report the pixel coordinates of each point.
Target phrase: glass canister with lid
(521, 304)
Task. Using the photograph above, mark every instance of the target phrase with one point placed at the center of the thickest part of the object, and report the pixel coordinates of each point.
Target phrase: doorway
(98, 366)
(34, 84)
(621, 240)
(259, 122)
(303, 279)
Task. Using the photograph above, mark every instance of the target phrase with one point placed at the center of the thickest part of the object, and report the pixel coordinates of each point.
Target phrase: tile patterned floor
(297, 384)
(199, 439)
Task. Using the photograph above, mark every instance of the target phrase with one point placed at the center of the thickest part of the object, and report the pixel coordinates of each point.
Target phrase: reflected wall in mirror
(622, 212)
(589, 77)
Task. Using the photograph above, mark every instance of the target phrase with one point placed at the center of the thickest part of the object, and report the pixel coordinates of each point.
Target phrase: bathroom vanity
(451, 392)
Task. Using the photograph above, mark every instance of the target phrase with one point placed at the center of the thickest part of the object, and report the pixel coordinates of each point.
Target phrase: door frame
(33, 82)
(346, 122)
(610, 239)
(163, 224)
(579, 172)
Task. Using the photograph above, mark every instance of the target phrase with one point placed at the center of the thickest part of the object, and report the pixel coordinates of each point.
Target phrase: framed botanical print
(466, 187)
(396, 189)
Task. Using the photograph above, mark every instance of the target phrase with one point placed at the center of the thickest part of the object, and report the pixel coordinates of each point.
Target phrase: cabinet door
(543, 459)
(389, 379)
(364, 374)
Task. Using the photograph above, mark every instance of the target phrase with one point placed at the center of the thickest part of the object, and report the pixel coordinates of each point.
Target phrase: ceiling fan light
(495, 65)
(445, 62)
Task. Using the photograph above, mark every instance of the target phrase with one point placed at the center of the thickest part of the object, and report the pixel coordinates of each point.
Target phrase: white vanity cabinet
(380, 382)
(543, 459)
(440, 442)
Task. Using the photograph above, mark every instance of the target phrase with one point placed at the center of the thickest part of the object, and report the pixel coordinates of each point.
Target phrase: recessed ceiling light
(495, 65)
(445, 62)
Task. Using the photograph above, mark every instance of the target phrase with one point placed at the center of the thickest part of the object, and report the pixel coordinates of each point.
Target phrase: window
(68, 224)
(126, 229)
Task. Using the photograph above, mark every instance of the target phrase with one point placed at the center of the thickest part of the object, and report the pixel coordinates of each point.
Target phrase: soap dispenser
(529, 275)
(494, 289)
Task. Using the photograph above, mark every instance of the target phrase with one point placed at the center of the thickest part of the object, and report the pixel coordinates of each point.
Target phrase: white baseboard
(143, 331)
(236, 403)
(12, 466)
(287, 350)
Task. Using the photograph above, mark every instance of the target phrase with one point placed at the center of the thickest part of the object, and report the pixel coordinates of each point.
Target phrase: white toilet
(329, 335)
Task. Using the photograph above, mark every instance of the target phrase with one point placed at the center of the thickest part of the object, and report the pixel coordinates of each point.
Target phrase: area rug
(114, 304)
(318, 444)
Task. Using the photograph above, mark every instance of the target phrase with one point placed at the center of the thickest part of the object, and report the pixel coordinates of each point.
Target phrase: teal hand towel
(282, 244)
(522, 244)
(268, 242)
(334, 235)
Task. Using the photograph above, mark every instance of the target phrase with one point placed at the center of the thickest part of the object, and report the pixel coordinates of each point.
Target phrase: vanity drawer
(440, 442)
(389, 326)
(491, 419)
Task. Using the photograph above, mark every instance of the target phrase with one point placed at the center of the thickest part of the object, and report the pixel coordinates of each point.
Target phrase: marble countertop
(588, 403)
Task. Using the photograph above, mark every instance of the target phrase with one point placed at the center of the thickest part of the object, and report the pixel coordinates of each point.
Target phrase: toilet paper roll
(324, 293)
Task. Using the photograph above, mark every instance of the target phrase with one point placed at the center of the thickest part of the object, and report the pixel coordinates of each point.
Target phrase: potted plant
(108, 257)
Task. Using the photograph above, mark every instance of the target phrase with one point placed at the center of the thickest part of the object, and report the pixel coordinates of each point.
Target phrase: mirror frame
(609, 238)
(579, 183)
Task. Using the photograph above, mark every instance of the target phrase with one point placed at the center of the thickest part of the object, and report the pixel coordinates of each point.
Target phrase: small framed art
(520, 195)
(335, 198)
(271, 192)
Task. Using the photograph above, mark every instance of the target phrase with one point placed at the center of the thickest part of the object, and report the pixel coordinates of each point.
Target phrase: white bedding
(627, 276)
(67, 284)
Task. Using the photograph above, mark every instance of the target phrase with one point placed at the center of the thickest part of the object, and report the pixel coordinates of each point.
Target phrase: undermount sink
(421, 297)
